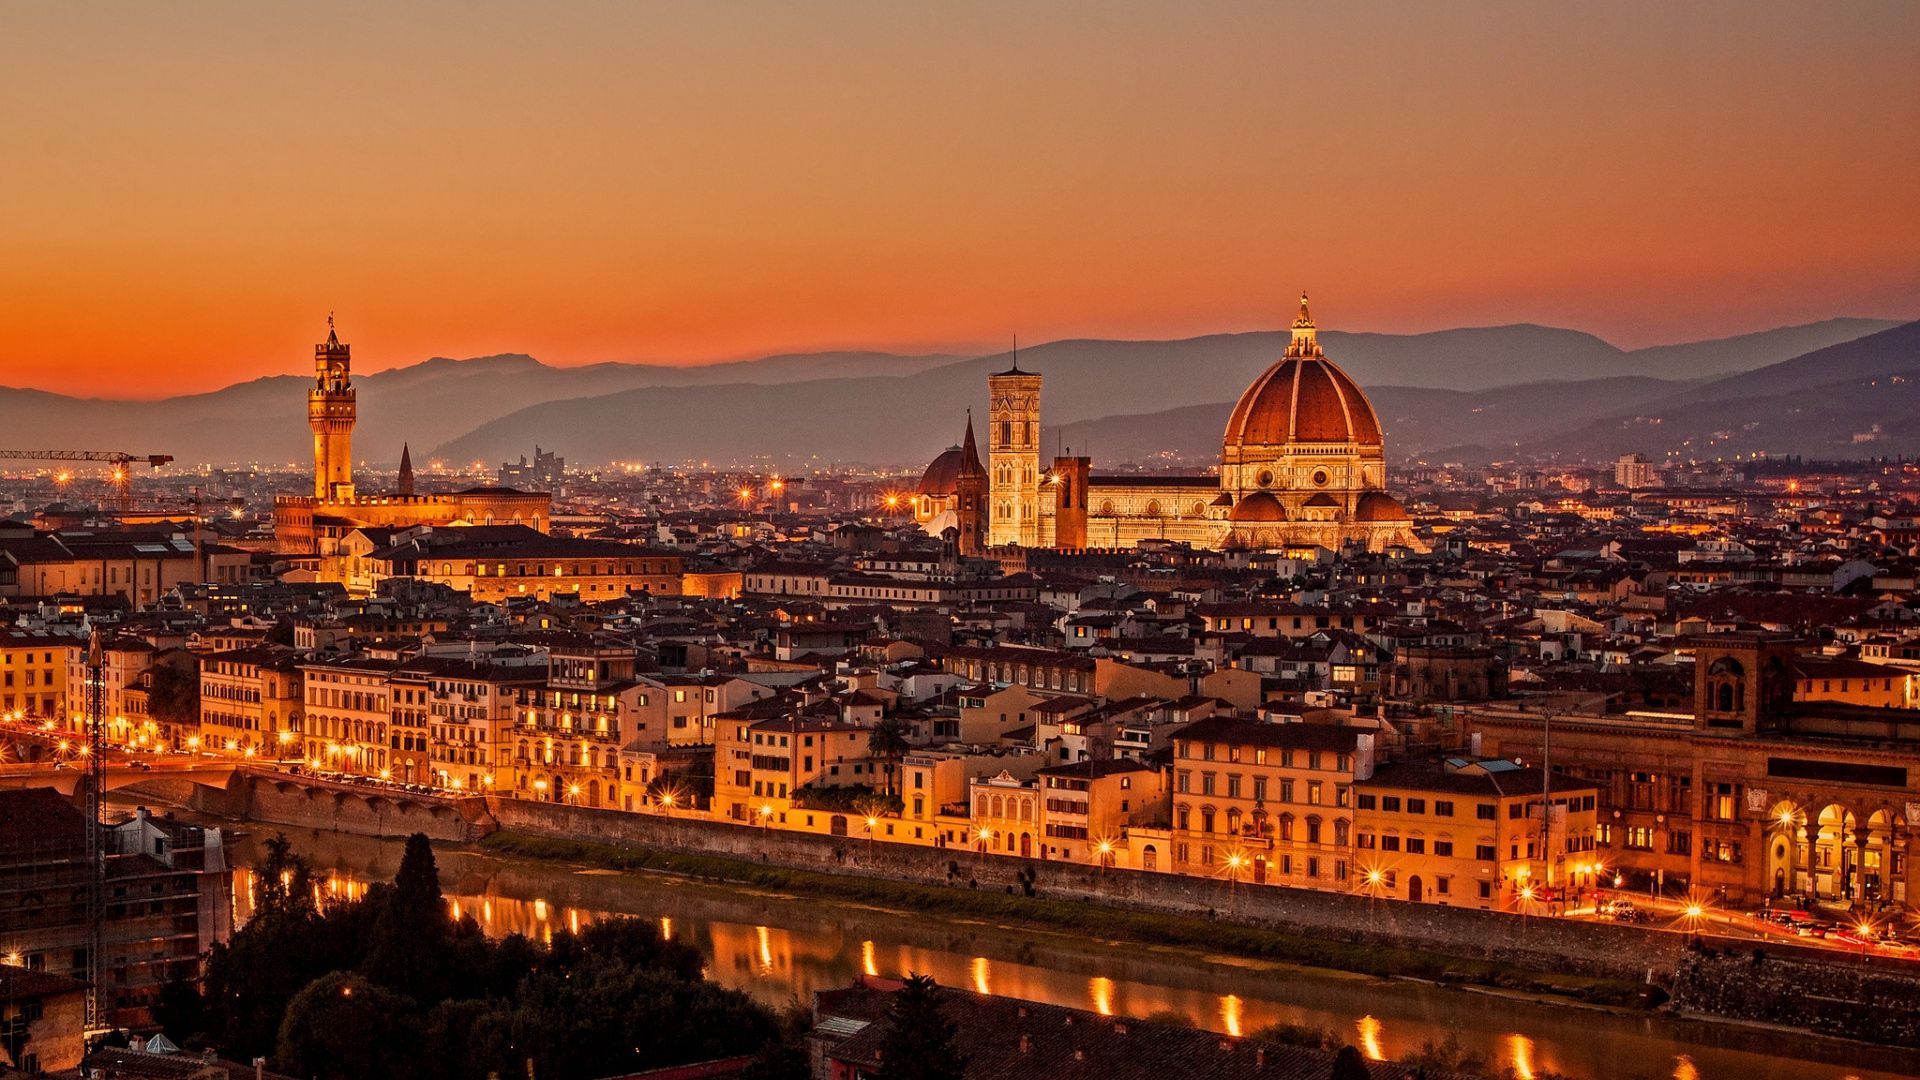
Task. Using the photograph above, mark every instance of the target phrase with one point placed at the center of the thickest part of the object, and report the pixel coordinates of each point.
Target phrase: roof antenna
(1016, 352)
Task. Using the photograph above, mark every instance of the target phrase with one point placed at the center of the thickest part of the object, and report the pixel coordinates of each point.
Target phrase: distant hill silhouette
(1824, 404)
(1416, 420)
(912, 418)
(883, 408)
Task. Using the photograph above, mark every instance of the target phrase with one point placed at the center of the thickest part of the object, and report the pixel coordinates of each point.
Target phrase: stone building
(1302, 463)
(313, 525)
(1749, 794)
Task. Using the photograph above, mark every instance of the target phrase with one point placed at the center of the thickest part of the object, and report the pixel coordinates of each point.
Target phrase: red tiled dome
(1257, 507)
(1379, 506)
(1303, 399)
(943, 475)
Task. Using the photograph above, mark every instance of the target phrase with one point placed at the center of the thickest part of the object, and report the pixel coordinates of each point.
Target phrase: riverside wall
(1541, 943)
(308, 803)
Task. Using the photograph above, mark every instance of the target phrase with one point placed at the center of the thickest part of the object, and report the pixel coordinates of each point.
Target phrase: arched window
(1340, 831)
(1206, 819)
(1233, 820)
(1286, 827)
(1313, 830)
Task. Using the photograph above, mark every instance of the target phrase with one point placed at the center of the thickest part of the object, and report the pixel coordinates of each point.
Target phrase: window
(1416, 845)
(1679, 842)
(1640, 838)
(1389, 843)
(1484, 811)
(1443, 848)
(1442, 808)
(1366, 802)
(1485, 852)
(1390, 804)
(1416, 806)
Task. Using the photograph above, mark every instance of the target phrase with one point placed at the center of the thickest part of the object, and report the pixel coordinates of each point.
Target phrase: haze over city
(191, 189)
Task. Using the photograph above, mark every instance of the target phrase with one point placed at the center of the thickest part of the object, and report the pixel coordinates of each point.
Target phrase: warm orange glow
(826, 194)
(1369, 1029)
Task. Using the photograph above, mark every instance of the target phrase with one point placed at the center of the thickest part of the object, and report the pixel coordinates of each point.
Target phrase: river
(777, 948)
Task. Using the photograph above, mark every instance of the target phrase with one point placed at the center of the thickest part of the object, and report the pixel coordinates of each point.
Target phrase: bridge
(260, 793)
(67, 777)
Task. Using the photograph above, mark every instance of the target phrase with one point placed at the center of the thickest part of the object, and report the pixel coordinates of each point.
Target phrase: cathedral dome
(942, 477)
(1379, 506)
(1259, 507)
(1303, 398)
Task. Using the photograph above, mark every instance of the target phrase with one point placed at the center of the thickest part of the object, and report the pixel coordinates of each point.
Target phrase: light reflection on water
(822, 947)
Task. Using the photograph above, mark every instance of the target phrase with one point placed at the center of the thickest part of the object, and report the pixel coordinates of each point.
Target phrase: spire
(405, 484)
(333, 339)
(1306, 341)
(970, 450)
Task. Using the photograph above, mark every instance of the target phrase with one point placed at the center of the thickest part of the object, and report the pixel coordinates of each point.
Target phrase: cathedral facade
(1302, 463)
(315, 524)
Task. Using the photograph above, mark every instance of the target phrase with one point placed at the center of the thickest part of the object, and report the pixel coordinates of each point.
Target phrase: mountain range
(1489, 391)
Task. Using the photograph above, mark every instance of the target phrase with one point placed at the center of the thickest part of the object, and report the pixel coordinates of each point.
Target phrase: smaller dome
(1259, 506)
(1379, 506)
(1323, 501)
(942, 478)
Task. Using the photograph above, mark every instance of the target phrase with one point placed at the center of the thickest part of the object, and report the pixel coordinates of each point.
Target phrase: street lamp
(766, 816)
(1105, 848)
(872, 822)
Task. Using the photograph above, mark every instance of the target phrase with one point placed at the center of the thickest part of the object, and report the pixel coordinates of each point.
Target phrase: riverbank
(781, 946)
(1075, 916)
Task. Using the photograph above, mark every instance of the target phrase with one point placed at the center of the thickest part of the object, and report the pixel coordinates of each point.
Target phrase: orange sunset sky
(189, 188)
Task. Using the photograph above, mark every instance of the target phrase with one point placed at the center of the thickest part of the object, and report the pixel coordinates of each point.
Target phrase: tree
(889, 740)
(342, 1027)
(1348, 1065)
(918, 1040)
(411, 948)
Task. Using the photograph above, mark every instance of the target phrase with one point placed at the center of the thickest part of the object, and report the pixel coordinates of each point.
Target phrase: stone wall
(1869, 1001)
(308, 803)
(1546, 944)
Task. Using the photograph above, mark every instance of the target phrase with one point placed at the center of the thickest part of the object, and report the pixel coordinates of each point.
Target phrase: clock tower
(331, 411)
(1013, 457)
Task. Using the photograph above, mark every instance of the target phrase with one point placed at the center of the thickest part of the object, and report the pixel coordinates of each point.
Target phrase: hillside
(1858, 399)
(845, 405)
(911, 418)
(1415, 419)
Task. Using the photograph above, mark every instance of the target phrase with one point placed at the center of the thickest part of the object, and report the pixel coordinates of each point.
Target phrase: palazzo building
(1750, 794)
(1302, 463)
(314, 525)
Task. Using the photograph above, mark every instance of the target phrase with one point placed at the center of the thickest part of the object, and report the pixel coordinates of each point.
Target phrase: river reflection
(778, 948)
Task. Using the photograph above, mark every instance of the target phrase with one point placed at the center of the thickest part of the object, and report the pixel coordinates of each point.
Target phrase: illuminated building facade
(315, 524)
(1302, 463)
(1750, 791)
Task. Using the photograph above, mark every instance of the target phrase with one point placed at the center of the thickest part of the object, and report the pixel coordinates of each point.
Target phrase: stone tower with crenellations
(1013, 457)
(331, 411)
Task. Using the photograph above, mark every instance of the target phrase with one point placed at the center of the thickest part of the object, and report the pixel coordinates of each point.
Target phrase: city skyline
(679, 185)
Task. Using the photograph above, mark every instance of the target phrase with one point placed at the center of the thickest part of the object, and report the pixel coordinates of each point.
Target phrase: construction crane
(121, 462)
(96, 840)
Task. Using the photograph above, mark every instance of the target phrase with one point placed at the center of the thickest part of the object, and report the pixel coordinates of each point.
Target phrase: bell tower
(1013, 456)
(330, 413)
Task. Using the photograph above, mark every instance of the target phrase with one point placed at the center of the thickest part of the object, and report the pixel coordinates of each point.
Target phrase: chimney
(1079, 1055)
(259, 1068)
(1026, 1044)
(1260, 1057)
(1120, 1027)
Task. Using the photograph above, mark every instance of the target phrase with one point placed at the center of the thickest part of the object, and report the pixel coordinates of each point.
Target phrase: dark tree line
(392, 986)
